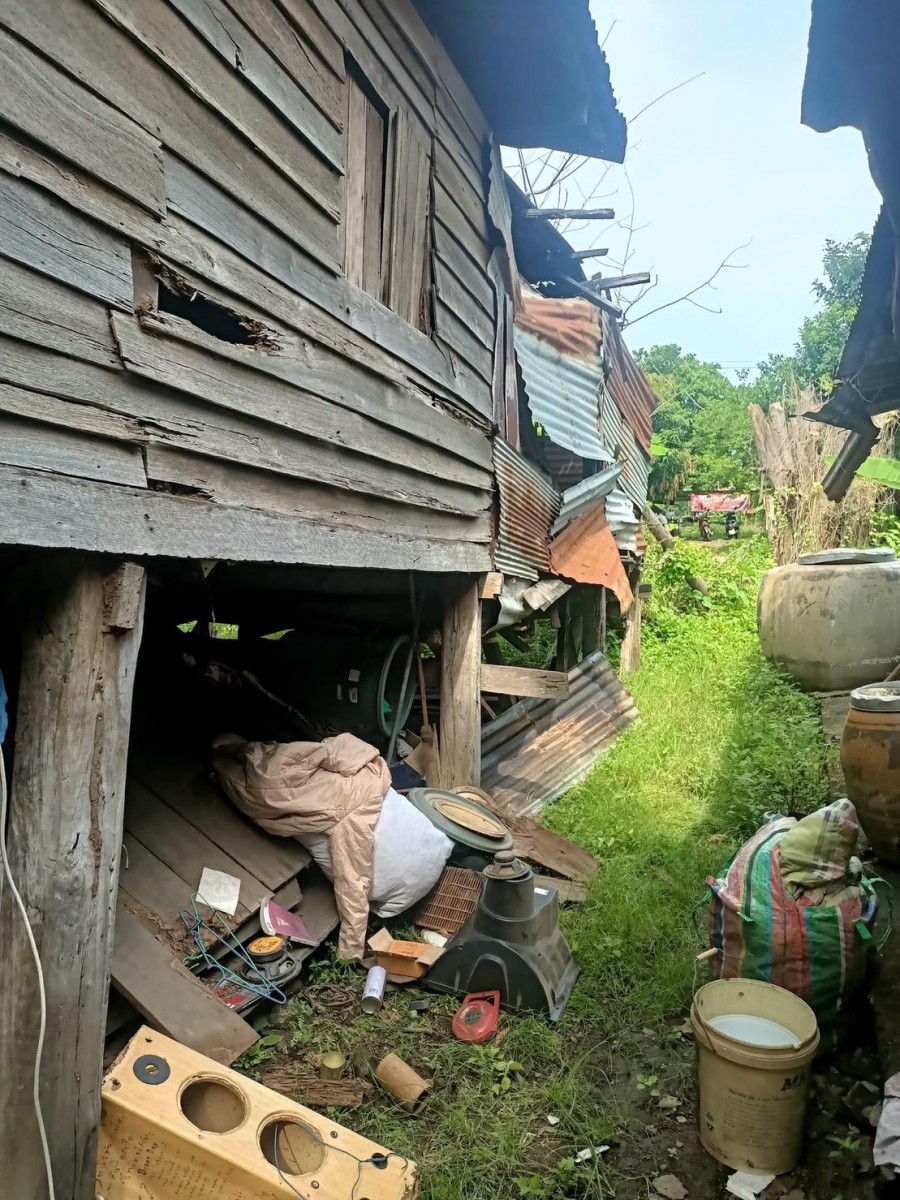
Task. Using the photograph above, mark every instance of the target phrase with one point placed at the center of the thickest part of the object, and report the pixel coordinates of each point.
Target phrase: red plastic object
(478, 1019)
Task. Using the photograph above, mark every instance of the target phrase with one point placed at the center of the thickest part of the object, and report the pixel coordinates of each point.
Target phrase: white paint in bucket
(757, 1031)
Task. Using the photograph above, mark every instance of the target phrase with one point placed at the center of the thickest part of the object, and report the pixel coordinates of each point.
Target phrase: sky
(720, 162)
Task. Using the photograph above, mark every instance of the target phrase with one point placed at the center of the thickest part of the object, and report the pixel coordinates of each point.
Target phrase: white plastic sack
(410, 854)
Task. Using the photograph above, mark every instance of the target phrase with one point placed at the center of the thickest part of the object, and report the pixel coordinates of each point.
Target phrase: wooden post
(630, 660)
(79, 649)
(461, 692)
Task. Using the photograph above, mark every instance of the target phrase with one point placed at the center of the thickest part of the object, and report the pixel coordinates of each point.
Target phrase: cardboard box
(403, 961)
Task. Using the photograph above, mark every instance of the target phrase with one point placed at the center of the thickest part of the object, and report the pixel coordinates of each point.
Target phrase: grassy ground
(723, 739)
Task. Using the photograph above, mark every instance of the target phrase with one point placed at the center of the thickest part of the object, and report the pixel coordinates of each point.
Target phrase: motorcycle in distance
(705, 527)
(732, 528)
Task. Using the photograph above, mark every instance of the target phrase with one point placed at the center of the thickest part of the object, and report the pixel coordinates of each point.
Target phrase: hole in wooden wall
(212, 1105)
(214, 319)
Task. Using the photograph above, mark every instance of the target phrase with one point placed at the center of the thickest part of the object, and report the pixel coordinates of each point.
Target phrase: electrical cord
(39, 1051)
(375, 1160)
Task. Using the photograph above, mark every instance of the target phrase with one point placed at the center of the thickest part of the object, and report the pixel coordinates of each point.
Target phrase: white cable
(38, 1111)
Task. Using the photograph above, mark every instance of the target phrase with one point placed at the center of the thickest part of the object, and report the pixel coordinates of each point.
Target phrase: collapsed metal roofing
(537, 71)
(537, 750)
(584, 389)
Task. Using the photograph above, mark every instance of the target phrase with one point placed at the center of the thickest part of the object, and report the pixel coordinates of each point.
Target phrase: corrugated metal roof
(570, 326)
(537, 71)
(578, 499)
(563, 395)
(586, 552)
(622, 520)
(539, 749)
(618, 436)
(627, 384)
(529, 504)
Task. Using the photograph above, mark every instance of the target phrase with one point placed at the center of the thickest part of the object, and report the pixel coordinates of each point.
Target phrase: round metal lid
(847, 557)
(462, 819)
(876, 697)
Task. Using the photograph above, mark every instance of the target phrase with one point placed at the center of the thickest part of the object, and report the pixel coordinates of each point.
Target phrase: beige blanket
(335, 787)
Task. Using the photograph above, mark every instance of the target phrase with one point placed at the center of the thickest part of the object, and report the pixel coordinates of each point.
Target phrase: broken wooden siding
(273, 407)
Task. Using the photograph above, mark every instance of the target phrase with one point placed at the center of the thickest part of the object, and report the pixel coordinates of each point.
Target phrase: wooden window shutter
(365, 216)
(410, 240)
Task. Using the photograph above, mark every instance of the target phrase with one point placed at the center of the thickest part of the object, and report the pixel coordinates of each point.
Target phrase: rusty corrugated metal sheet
(529, 504)
(617, 434)
(539, 749)
(586, 552)
(569, 326)
(563, 395)
(627, 384)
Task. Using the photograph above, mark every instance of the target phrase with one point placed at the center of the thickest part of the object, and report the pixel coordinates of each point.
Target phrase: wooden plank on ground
(160, 987)
(234, 42)
(538, 844)
(43, 234)
(36, 308)
(570, 890)
(148, 880)
(54, 110)
(184, 849)
(522, 681)
(39, 447)
(181, 782)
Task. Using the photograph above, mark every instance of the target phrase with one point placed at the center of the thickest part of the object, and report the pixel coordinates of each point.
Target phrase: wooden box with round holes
(178, 1126)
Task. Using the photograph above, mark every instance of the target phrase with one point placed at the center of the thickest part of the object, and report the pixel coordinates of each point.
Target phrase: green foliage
(883, 471)
(702, 426)
(820, 342)
(886, 531)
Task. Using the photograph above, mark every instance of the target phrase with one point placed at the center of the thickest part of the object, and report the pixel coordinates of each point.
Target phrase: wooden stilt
(80, 642)
(461, 692)
(631, 643)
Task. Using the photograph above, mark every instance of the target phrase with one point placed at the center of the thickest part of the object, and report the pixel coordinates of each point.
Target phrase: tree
(703, 435)
(822, 337)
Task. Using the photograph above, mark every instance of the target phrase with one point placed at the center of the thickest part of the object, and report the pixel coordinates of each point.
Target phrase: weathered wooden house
(257, 295)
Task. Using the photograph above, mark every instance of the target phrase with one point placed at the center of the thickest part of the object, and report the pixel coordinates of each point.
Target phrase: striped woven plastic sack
(818, 952)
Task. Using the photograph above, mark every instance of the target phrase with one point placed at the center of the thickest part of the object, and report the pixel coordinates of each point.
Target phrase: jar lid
(847, 557)
(876, 697)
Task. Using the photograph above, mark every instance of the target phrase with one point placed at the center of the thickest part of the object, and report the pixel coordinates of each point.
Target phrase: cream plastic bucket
(753, 1090)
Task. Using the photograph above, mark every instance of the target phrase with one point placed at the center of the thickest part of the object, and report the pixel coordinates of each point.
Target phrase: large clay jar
(870, 756)
(832, 620)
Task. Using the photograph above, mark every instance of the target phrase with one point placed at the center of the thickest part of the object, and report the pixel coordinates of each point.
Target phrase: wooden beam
(79, 649)
(582, 255)
(460, 695)
(571, 214)
(590, 294)
(490, 585)
(521, 681)
(630, 660)
(610, 282)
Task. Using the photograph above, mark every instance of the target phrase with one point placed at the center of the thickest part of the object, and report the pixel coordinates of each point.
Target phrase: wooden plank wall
(203, 142)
